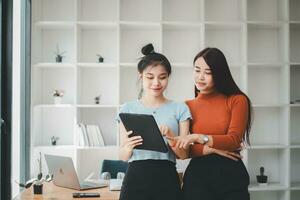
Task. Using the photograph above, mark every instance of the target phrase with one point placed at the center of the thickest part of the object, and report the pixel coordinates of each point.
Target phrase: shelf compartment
(54, 25)
(218, 10)
(267, 105)
(181, 50)
(98, 10)
(94, 81)
(98, 40)
(295, 166)
(128, 65)
(43, 10)
(276, 10)
(295, 83)
(54, 65)
(105, 117)
(295, 43)
(236, 73)
(295, 126)
(265, 65)
(62, 105)
(133, 38)
(129, 79)
(269, 195)
(228, 39)
(134, 10)
(295, 186)
(190, 10)
(295, 146)
(46, 80)
(275, 162)
(179, 24)
(47, 124)
(96, 106)
(294, 10)
(269, 187)
(270, 126)
(185, 89)
(270, 146)
(48, 39)
(268, 85)
(266, 43)
(97, 65)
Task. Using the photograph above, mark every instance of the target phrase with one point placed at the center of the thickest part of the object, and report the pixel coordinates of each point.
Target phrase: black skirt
(215, 177)
(151, 180)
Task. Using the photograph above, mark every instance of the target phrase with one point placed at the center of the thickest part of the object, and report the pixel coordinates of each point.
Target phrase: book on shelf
(89, 135)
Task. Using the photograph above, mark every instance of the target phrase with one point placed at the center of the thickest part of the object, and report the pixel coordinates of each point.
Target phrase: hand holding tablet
(146, 127)
(132, 142)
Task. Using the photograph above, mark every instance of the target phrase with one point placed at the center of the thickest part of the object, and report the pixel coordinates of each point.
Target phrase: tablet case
(145, 126)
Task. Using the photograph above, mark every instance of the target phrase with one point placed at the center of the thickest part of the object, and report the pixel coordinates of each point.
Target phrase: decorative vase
(97, 99)
(262, 179)
(57, 100)
(37, 188)
(100, 60)
(58, 59)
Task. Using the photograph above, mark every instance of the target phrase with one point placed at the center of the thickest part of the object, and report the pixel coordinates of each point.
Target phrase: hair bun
(147, 49)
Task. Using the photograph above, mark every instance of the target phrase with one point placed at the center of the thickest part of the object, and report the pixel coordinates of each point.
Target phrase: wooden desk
(52, 192)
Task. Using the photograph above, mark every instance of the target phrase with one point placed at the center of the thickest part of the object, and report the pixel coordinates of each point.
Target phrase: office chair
(113, 167)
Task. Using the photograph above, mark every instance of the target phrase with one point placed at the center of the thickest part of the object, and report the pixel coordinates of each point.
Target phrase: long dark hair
(151, 58)
(223, 81)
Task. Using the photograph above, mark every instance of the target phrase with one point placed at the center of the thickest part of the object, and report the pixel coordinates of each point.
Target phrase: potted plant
(59, 55)
(262, 179)
(100, 58)
(38, 181)
(97, 99)
(54, 140)
(57, 95)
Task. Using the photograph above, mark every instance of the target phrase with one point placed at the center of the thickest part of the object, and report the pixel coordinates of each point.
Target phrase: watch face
(205, 138)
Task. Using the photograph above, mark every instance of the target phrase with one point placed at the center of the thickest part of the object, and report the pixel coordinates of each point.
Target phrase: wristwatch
(204, 138)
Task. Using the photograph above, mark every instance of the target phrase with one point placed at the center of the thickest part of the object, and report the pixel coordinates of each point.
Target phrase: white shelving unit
(261, 41)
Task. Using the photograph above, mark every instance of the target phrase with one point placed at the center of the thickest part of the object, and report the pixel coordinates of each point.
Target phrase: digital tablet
(146, 127)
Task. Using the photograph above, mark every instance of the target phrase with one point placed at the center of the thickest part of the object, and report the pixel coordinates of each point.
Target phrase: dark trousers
(214, 177)
(151, 180)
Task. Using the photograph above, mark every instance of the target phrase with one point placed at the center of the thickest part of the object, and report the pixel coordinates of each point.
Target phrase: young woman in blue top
(152, 175)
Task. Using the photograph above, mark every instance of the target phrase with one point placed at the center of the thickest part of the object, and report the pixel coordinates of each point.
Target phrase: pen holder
(38, 189)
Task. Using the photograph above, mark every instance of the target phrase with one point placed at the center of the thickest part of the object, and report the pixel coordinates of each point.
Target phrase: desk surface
(50, 191)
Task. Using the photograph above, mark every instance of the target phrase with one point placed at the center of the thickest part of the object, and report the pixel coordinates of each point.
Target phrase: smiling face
(155, 80)
(203, 76)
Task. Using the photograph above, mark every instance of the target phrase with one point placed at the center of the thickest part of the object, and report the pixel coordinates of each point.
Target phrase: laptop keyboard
(90, 184)
(87, 184)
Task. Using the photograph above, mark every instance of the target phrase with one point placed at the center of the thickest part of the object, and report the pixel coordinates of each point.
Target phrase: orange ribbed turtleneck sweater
(222, 117)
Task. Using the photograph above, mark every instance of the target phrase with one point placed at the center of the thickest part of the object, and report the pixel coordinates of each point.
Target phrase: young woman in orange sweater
(221, 115)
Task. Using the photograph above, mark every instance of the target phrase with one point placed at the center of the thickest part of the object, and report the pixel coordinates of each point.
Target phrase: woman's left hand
(228, 154)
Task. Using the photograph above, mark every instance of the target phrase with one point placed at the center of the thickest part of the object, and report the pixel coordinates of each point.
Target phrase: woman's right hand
(131, 142)
(228, 154)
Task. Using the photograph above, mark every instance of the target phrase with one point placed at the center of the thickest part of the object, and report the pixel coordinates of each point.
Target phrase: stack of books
(89, 135)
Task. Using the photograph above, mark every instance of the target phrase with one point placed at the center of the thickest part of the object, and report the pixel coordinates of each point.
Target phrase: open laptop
(64, 174)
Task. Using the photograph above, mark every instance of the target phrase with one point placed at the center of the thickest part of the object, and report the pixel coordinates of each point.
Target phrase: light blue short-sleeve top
(169, 114)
